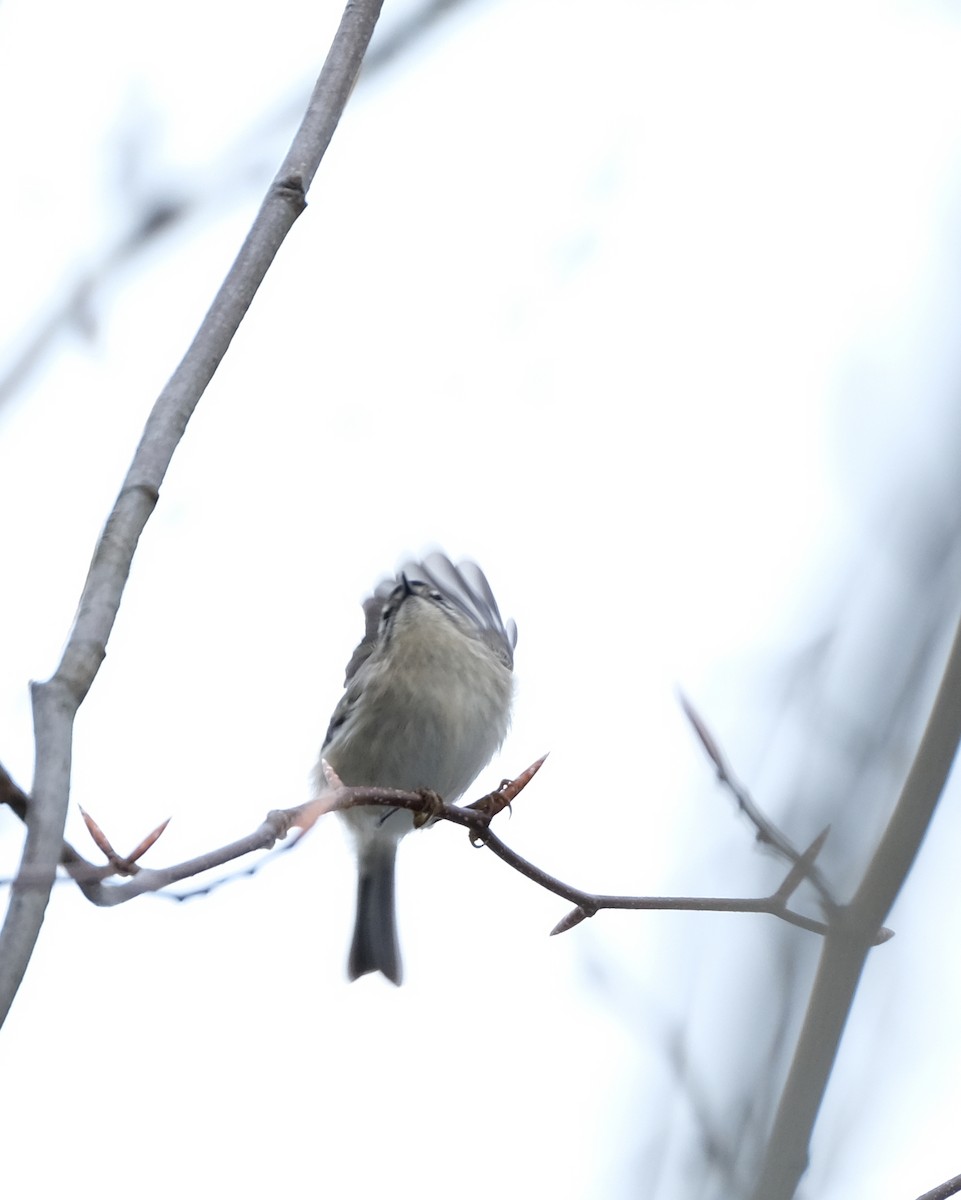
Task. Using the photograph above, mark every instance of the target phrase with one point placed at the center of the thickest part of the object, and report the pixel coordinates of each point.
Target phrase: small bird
(426, 704)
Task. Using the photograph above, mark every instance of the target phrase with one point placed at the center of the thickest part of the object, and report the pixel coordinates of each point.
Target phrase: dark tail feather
(375, 946)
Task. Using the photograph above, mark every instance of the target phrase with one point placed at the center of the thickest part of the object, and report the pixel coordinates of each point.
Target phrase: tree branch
(852, 933)
(427, 807)
(950, 1187)
(55, 703)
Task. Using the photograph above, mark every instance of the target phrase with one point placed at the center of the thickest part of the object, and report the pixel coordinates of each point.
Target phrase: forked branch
(427, 807)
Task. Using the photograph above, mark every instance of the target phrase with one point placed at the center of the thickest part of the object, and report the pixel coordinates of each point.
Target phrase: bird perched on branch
(426, 704)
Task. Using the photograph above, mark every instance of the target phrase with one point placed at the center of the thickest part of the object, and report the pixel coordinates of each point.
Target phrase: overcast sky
(650, 308)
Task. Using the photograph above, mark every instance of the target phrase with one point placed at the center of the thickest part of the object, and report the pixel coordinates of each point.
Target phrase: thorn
(100, 838)
(522, 780)
(330, 775)
(495, 802)
(574, 917)
(141, 849)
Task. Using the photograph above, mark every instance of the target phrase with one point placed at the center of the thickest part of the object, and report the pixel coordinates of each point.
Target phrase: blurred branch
(55, 703)
(74, 308)
(390, 44)
(767, 832)
(852, 933)
(165, 205)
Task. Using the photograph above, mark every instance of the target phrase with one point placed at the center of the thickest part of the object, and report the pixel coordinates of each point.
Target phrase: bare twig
(767, 832)
(275, 826)
(156, 208)
(73, 310)
(410, 27)
(55, 703)
(426, 807)
(718, 1149)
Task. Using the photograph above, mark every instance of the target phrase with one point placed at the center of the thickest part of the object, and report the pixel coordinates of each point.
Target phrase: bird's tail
(375, 946)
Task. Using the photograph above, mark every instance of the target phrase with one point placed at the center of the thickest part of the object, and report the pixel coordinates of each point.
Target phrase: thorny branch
(427, 807)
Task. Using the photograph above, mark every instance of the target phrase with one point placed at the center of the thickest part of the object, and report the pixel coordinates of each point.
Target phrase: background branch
(852, 933)
(154, 205)
(950, 1187)
(768, 833)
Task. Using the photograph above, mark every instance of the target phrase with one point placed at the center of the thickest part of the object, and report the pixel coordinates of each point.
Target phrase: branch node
(292, 190)
(802, 868)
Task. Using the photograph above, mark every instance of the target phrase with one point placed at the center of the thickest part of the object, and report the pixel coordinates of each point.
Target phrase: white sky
(642, 305)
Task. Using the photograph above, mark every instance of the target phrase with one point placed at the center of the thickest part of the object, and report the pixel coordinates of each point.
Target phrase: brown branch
(589, 903)
(427, 807)
(275, 826)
